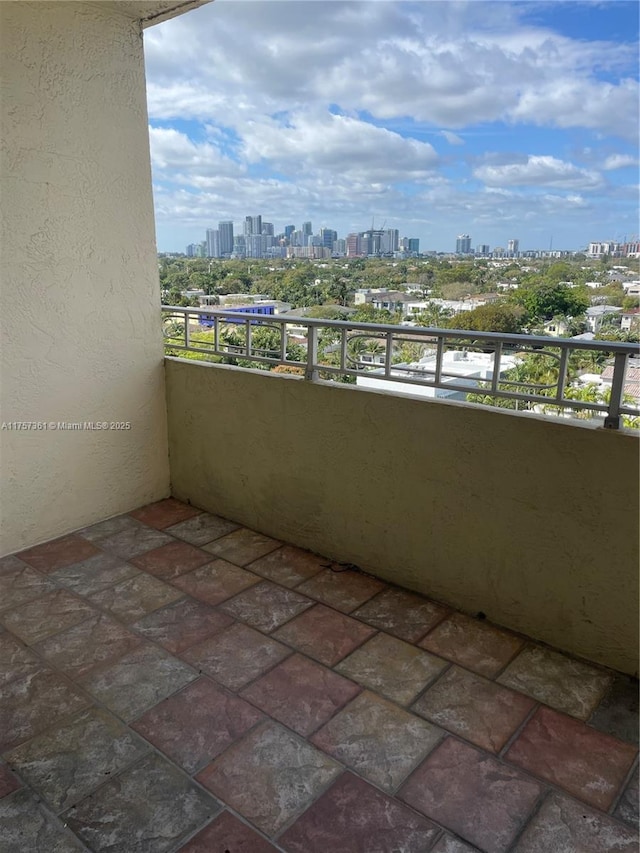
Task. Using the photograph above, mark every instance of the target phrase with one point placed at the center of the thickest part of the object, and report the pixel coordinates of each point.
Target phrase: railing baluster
(562, 373)
(388, 355)
(496, 368)
(312, 353)
(612, 420)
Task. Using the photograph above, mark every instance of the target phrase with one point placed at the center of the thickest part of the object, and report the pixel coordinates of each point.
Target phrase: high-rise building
(513, 248)
(239, 246)
(191, 250)
(463, 244)
(267, 229)
(307, 230)
(288, 231)
(354, 245)
(252, 225)
(327, 237)
(213, 243)
(226, 237)
(390, 241)
(254, 246)
(413, 245)
(483, 249)
(371, 242)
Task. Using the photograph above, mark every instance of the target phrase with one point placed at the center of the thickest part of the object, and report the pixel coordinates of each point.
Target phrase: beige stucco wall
(533, 522)
(80, 333)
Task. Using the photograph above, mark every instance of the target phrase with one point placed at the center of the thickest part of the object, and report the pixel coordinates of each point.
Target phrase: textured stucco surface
(533, 522)
(81, 338)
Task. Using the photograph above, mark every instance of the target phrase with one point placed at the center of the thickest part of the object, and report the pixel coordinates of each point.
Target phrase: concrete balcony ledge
(531, 522)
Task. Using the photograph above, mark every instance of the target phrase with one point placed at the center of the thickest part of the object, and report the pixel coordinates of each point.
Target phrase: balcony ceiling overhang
(151, 12)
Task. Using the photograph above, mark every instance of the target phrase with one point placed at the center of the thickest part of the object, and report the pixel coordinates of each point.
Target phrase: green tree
(544, 301)
(492, 317)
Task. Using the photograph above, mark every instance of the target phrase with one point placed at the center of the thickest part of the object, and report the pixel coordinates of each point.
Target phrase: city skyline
(443, 118)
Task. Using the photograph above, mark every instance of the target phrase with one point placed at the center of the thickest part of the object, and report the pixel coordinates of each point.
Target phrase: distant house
(630, 320)
(459, 367)
(596, 314)
(557, 327)
(631, 381)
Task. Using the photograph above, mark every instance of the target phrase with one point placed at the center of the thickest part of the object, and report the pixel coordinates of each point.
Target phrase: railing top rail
(419, 331)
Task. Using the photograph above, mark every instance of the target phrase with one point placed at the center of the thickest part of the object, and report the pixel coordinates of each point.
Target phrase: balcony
(173, 681)
(454, 673)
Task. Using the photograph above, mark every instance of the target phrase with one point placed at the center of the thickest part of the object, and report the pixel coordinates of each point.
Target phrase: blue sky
(499, 119)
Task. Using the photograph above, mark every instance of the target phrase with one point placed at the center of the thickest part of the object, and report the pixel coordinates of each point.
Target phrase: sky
(498, 120)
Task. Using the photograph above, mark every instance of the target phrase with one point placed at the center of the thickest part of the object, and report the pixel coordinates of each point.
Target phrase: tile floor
(171, 681)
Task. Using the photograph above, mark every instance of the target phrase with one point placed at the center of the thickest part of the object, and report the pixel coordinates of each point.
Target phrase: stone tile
(30, 704)
(353, 817)
(134, 541)
(137, 681)
(94, 575)
(169, 561)
(22, 584)
(627, 808)
(47, 615)
(195, 725)
(617, 713)
(392, 667)
(301, 694)
(104, 529)
(152, 806)
(476, 645)
(8, 782)
(10, 563)
(242, 546)
(323, 634)
(216, 581)
(236, 656)
(561, 682)
(65, 764)
(378, 740)
(266, 606)
(182, 624)
(26, 826)
(227, 833)
(448, 844)
(16, 661)
(344, 590)
(164, 513)
(58, 553)
(472, 794)
(564, 826)
(476, 709)
(289, 566)
(202, 528)
(403, 614)
(588, 764)
(97, 640)
(133, 599)
(269, 776)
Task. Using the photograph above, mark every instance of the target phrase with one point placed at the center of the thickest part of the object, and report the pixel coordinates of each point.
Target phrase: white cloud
(339, 144)
(619, 161)
(538, 171)
(287, 98)
(450, 64)
(452, 138)
(172, 150)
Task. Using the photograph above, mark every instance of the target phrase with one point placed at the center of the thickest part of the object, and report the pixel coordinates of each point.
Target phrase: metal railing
(443, 359)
